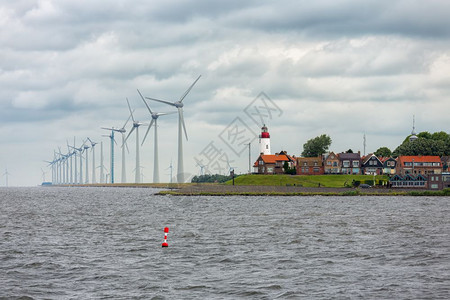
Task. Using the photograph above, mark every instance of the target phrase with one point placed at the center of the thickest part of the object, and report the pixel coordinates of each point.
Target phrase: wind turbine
(111, 137)
(85, 147)
(122, 132)
(155, 116)
(94, 179)
(181, 126)
(101, 164)
(136, 124)
(6, 176)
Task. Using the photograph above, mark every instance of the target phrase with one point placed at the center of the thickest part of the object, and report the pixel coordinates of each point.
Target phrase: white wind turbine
(94, 178)
(86, 147)
(155, 116)
(124, 145)
(111, 137)
(181, 126)
(136, 124)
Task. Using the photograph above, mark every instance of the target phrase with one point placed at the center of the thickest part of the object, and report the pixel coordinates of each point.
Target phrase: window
(267, 146)
(355, 163)
(346, 163)
(315, 163)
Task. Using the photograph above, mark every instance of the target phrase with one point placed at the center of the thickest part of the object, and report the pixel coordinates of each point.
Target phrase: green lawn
(303, 180)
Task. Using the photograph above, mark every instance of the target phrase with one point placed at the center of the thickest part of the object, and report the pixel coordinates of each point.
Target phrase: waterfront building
(350, 163)
(310, 165)
(371, 165)
(419, 164)
(270, 163)
(331, 163)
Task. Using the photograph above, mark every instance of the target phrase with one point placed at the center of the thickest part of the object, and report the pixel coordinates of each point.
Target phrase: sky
(345, 68)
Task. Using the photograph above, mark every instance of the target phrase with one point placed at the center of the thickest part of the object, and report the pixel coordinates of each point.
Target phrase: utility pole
(249, 157)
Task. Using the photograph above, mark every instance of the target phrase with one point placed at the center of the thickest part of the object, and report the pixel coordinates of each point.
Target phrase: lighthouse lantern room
(264, 141)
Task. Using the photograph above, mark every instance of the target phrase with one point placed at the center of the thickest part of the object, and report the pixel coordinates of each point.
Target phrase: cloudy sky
(305, 68)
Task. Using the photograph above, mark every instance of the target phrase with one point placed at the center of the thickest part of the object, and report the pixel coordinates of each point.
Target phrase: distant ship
(46, 183)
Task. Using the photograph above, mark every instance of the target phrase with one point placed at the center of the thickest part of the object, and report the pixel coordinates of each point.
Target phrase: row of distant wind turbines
(64, 168)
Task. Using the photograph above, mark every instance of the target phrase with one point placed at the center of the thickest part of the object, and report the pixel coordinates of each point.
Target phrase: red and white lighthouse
(264, 141)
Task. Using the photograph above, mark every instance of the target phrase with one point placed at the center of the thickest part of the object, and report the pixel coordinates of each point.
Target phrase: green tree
(383, 152)
(437, 143)
(349, 151)
(316, 146)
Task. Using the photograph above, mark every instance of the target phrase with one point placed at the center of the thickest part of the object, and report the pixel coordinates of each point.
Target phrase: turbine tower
(181, 126)
(111, 137)
(155, 116)
(94, 178)
(124, 145)
(85, 147)
(136, 124)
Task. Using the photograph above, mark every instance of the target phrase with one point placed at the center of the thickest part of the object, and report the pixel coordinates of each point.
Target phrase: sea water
(98, 243)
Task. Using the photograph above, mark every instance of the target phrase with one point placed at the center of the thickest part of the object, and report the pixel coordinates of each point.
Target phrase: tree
(316, 146)
(383, 152)
(349, 151)
(437, 143)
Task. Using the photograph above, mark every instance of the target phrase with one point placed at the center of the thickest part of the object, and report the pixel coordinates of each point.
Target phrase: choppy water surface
(80, 243)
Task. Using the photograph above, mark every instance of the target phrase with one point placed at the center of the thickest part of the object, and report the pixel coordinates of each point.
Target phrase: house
(445, 163)
(389, 164)
(350, 163)
(310, 166)
(415, 165)
(371, 165)
(270, 163)
(292, 163)
(409, 181)
(419, 181)
(446, 180)
(331, 163)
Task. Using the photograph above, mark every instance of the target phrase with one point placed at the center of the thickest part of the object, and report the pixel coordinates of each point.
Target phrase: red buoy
(166, 231)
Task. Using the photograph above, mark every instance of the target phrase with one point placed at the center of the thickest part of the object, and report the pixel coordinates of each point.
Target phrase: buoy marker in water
(166, 231)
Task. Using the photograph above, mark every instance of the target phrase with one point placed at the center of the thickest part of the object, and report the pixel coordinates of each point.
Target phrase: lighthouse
(264, 141)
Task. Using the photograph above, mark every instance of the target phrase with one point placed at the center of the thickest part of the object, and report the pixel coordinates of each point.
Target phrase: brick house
(415, 165)
(310, 166)
(331, 163)
(350, 163)
(270, 163)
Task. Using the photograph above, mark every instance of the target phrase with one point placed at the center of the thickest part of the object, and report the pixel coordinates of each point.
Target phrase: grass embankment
(332, 181)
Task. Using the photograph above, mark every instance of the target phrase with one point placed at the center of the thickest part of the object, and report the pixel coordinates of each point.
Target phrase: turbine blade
(132, 129)
(189, 89)
(166, 113)
(180, 111)
(148, 107)
(129, 107)
(123, 127)
(162, 101)
(146, 133)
